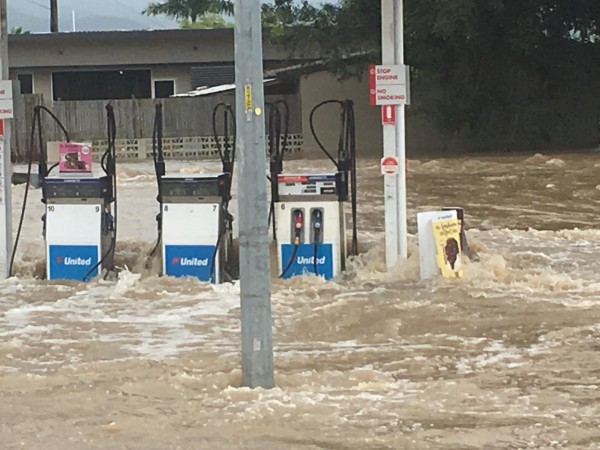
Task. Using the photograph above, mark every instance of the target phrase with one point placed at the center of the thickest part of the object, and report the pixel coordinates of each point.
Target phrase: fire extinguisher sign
(388, 115)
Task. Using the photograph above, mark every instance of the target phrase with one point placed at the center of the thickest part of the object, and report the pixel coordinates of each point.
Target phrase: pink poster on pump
(74, 158)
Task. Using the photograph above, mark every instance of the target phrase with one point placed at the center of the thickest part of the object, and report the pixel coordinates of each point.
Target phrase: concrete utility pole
(5, 162)
(255, 281)
(394, 142)
(53, 16)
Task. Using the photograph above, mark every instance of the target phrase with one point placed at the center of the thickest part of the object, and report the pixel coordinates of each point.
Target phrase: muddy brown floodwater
(504, 358)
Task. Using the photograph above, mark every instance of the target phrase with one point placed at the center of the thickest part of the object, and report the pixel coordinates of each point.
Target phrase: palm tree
(189, 10)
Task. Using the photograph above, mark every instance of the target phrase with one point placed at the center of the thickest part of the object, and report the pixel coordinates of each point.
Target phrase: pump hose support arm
(278, 125)
(226, 146)
(159, 171)
(346, 157)
(43, 171)
(157, 146)
(108, 163)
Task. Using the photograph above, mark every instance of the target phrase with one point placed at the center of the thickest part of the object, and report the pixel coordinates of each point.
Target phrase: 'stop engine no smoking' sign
(389, 85)
(6, 100)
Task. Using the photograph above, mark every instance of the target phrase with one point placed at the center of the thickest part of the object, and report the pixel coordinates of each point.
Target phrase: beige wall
(126, 48)
(42, 81)
(321, 86)
(170, 54)
(422, 137)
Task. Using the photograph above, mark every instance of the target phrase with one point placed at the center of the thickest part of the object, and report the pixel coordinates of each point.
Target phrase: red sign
(292, 178)
(1, 127)
(372, 85)
(388, 115)
(389, 165)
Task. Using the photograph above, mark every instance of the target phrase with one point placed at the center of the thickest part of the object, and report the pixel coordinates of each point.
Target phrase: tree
(346, 35)
(17, 30)
(205, 21)
(190, 10)
(493, 69)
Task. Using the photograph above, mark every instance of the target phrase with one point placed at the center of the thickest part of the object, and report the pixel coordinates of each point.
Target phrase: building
(112, 65)
(125, 64)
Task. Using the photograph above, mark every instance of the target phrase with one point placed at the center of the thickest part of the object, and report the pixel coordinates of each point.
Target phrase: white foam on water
(371, 355)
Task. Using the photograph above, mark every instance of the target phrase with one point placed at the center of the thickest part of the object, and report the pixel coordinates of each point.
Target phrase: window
(164, 88)
(26, 80)
(101, 85)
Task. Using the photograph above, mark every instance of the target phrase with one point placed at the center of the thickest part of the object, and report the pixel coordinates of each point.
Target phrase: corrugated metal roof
(215, 89)
(122, 34)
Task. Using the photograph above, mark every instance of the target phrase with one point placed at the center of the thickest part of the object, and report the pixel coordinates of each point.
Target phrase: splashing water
(502, 358)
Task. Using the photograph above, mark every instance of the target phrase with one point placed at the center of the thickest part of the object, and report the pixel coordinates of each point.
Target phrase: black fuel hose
(291, 260)
(42, 167)
(108, 163)
(228, 219)
(346, 157)
(298, 217)
(316, 221)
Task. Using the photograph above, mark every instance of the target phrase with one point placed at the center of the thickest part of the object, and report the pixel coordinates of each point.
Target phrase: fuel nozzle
(316, 220)
(298, 224)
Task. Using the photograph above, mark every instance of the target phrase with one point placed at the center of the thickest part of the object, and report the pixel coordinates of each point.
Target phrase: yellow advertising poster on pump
(448, 251)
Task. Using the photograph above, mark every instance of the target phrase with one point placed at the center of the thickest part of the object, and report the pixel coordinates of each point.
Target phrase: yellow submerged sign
(248, 97)
(448, 250)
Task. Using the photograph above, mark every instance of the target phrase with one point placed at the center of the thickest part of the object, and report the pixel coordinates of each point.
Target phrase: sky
(33, 15)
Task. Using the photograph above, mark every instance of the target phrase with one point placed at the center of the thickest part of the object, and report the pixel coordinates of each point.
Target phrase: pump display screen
(193, 187)
(77, 188)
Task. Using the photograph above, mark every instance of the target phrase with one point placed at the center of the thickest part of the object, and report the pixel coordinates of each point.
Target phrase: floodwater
(504, 358)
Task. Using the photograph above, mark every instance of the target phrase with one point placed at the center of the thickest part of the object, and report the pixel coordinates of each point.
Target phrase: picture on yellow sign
(448, 251)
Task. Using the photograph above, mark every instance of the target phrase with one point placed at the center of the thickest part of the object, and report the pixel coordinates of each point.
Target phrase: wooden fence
(185, 119)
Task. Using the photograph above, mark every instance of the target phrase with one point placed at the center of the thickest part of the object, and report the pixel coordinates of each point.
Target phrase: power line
(38, 4)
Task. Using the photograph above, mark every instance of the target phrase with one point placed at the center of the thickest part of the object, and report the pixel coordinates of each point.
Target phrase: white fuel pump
(308, 209)
(78, 227)
(311, 229)
(194, 222)
(79, 222)
(195, 230)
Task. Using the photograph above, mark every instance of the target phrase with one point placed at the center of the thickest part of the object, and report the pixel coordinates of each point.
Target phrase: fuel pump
(309, 220)
(79, 227)
(194, 224)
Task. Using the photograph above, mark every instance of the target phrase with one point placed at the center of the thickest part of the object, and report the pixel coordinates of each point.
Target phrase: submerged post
(5, 162)
(394, 141)
(391, 204)
(255, 281)
(400, 135)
